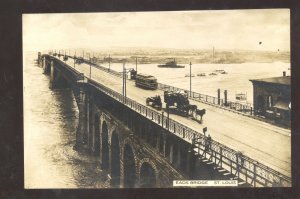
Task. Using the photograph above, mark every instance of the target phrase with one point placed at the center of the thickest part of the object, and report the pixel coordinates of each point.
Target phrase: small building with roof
(272, 98)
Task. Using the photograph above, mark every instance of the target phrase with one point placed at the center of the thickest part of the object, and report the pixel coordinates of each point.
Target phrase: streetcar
(146, 81)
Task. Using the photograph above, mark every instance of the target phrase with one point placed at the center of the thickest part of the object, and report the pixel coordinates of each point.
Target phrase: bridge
(141, 147)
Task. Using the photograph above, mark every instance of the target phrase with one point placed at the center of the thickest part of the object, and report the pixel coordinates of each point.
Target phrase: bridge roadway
(268, 144)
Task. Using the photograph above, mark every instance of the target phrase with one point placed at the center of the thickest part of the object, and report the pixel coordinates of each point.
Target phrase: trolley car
(146, 81)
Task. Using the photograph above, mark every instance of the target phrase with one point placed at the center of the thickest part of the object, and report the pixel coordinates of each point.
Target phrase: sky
(223, 29)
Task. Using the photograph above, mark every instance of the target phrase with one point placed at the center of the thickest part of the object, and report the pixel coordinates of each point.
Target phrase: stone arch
(105, 146)
(115, 159)
(129, 166)
(148, 174)
(97, 135)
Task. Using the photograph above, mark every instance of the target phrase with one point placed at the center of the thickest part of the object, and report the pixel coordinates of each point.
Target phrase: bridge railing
(236, 106)
(239, 165)
(108, 70)
(244, 108)
(66, 68)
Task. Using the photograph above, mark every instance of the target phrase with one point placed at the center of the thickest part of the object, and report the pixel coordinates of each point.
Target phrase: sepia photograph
(157, 99)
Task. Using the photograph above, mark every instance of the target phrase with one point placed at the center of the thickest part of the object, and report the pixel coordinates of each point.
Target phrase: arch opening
(96, 135)
(105, 147)
(115, 160)
(129, 167)
(147, 176)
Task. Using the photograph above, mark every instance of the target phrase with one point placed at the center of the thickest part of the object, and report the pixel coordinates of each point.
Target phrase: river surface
(235, 81)
(50, 122)
(51, 117)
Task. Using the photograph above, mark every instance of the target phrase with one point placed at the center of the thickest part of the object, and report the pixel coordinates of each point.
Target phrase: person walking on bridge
(208, 143)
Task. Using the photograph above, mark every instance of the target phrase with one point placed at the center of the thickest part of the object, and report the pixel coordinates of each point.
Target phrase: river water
(235, 81)
(51, 118)
(50, 122)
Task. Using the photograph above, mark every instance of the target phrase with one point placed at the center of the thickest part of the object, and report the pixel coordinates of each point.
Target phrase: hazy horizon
(255, 29)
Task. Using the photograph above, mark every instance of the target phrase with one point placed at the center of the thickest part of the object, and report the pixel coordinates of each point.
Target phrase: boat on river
(171, 64)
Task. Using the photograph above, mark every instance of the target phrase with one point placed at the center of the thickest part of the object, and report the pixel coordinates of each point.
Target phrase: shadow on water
(86, 172)
(57, 112)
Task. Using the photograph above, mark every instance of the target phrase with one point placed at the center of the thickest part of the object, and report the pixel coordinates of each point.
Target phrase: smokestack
(284, 73)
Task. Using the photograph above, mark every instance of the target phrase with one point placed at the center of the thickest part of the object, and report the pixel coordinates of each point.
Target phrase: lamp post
(124, 80)
(74, 59)
(136, 64)
(168, 116)
(190, 79)
(65, 57)
(108, 62)
(93, 58)
(90, 67)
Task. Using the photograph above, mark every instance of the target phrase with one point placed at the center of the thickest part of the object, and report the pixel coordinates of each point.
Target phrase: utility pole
(168, 115)
(93, 57)
(136, 64)
(74, 59)
(123, 81)
(108, 62)
(124, 78)
(190, 79)
(90, 67)
(213, 55)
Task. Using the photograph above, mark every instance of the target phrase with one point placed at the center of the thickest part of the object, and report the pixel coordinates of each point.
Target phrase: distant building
(272, 98)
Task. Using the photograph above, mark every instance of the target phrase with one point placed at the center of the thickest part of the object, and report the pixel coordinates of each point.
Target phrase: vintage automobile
(79, 60)
(180, 101)
(154, 102)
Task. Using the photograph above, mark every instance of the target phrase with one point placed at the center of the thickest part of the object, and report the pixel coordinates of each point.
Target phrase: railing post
(254, 175)
(219, 91)
(174, 128)
(162, 119)
(237, 165)
(225, 97)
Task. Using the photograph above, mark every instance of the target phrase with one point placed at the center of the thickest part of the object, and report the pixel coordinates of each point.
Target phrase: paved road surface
(261, 141)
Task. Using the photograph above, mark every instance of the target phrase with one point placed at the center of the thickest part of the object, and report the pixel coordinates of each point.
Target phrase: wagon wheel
(190, 112)
(200, 119)
(195, 115)
(159, 107)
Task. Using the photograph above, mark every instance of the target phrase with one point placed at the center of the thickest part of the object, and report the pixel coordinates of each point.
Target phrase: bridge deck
(261, 141)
